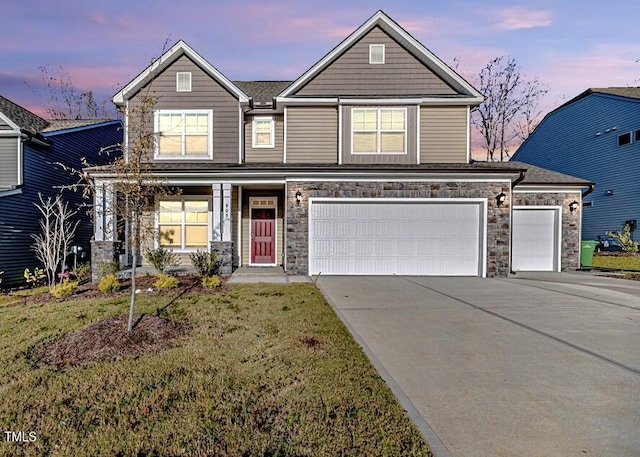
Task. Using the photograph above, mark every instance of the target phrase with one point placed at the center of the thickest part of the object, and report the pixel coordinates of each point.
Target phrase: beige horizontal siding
(312, 134)
(443, 134)
(206, 94)
(351, 74)
(253, 155)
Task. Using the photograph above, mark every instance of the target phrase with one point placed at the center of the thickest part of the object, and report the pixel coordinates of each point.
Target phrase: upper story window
(183, 223)
(637, 135)
(183, 81)
(183, 134)
(624, 139)
(263, 132)
(379, 130)
(376, 53)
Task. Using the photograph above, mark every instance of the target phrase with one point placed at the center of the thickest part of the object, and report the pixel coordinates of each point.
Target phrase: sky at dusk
(569, 45)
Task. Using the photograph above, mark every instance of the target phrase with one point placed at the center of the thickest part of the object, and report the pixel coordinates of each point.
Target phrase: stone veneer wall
(570, 255)
(297, 216)
(102, 251)
(224, 250)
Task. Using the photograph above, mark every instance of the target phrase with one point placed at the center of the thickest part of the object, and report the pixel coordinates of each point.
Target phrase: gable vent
(376, 53)
(183, 81)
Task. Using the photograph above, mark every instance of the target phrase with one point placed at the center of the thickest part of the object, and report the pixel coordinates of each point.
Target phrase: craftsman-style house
(360, 166)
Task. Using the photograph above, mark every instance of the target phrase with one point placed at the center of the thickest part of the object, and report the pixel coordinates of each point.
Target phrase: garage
(535, 239)
(396, 236)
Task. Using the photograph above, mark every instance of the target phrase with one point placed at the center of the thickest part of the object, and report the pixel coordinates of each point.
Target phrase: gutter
(591, 188)
(36, 138)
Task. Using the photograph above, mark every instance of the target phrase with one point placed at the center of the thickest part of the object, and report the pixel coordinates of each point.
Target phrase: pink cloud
(520, 17)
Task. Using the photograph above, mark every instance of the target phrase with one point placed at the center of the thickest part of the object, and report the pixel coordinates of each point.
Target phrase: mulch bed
(108, 340)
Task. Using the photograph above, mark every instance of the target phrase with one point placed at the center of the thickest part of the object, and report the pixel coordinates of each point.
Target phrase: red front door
(263, 235)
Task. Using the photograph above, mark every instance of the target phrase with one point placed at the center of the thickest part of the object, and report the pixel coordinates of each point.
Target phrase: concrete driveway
(533, 365)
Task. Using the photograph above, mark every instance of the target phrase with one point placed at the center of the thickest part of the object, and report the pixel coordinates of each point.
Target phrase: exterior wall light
(500, 198)
(573, 206)
(298, 197)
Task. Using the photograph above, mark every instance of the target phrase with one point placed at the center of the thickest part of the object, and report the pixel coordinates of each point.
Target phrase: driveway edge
(437, 446)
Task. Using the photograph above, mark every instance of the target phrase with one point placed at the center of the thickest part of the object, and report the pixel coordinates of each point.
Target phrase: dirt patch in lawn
(108, 340)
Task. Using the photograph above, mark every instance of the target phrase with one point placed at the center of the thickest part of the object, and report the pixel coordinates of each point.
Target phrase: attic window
(183, 81)
(624, 139)
(376, 53)
(637, 135)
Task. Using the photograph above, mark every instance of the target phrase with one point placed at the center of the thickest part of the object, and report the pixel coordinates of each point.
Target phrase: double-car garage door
(404, 237)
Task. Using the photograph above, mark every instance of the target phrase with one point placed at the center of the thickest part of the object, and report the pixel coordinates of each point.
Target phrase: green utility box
(586, 253)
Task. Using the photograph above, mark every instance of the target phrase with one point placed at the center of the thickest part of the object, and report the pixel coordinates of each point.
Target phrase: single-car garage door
(535, 239)
(386, 237)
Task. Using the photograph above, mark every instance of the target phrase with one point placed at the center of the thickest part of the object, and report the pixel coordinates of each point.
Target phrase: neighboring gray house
(360, 166)
(30, 148)
(596, 135)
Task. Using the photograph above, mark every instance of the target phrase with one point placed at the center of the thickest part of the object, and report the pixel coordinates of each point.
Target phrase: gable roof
(20, 117)
(380, 19)
(165, 60)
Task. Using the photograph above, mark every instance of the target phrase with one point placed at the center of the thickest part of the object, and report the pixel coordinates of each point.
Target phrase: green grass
(265, 370)
(618, 262)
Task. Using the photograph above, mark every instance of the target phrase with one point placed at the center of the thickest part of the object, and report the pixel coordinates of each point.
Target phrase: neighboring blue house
(595, 136)
(30, 149)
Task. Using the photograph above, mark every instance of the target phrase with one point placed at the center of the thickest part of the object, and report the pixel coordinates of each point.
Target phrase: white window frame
(183, 224)
(183, 155)
(372, 61)
(379, 130)
(254, 132)
(184, 89)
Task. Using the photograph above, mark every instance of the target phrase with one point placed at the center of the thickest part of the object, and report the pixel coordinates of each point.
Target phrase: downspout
(591, 188)
(520, 178)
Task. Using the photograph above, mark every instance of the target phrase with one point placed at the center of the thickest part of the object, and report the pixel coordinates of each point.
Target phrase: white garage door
(396, 237)
(535, 239)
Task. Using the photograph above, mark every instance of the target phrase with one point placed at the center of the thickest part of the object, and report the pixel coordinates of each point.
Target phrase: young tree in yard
(511, 108)
(134, 184)
(57, 231)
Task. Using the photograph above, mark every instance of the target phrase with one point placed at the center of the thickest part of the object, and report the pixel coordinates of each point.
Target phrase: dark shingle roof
(262, 92)
(537, 175)
(63, 124)
(627, 92)
(22, 117)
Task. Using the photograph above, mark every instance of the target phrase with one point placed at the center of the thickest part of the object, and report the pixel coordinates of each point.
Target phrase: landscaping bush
(65, 289)
(109, 283)
(211, 282)
(165, 282)
(205, 262)
(105, 268)
(623, 239)
(36, 278)
(83, 272)
(162, 258)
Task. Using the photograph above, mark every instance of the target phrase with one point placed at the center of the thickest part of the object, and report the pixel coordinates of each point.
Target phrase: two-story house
(36, 157)
(360, 166)
(595, 135)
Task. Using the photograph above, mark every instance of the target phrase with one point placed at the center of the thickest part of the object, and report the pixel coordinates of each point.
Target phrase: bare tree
(57, 231)
(511, 108)
(66, 101)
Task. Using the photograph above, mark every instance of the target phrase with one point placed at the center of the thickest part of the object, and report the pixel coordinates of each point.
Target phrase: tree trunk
(133, 245)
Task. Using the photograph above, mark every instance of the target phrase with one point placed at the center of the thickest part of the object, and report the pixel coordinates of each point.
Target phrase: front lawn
(262, 370)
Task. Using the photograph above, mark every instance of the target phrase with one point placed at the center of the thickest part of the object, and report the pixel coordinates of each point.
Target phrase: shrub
(83, 272)
(65, 289)
(211, 282)
(205, 262)
(105, 268)
(35, 279)
(109, 283)
(162, 258)
(623, 239)
(165, 282)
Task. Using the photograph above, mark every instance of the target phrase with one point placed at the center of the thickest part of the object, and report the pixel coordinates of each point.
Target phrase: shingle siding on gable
(206, 93)
(352, 75)
(312, 135)
(566, 142)
(8, 163)
(443, 132)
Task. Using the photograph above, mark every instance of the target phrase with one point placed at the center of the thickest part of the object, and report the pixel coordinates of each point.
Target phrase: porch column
(104, 227)
(226, 211)
(216, 226)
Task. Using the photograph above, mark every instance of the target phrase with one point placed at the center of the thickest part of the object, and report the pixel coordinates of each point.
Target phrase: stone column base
(224, 250)
(102, 251)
